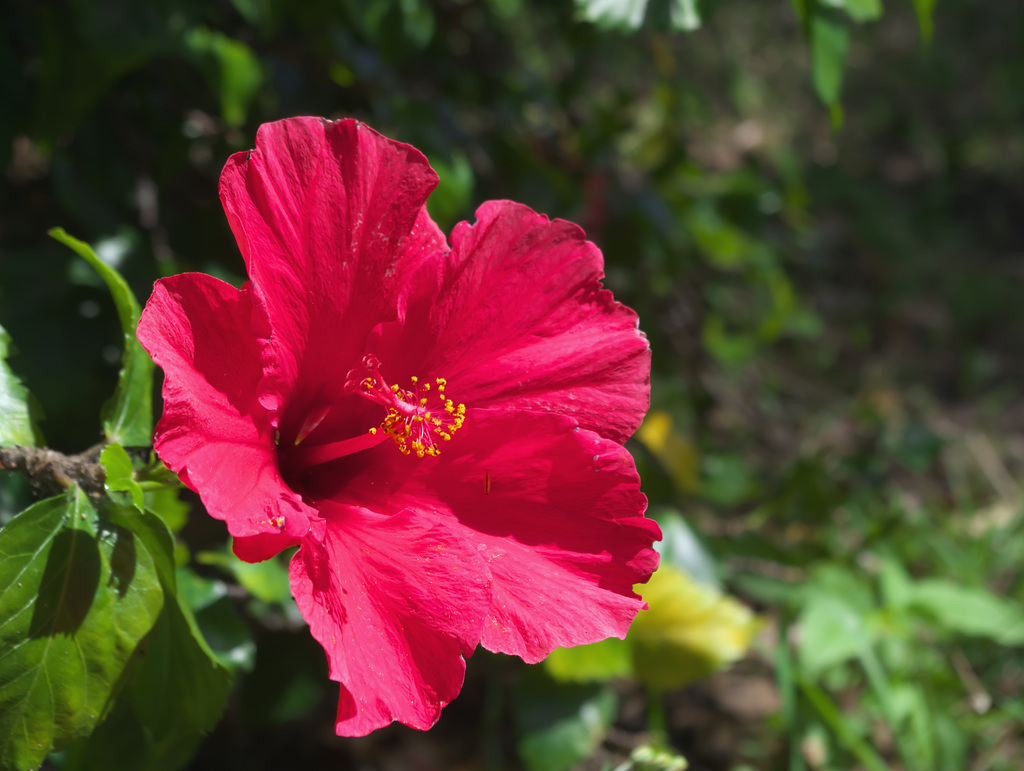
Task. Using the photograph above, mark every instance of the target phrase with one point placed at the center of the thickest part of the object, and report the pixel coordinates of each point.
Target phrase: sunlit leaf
(598, 661)
(267, 580)
(179, 688)
(650, 758)
(232, 69)
(830, 42)
(17, 425)
(454, 188)
(897, 587)
(831, 632)
(680, 548)
(684, 15)
(673, 450)
(217, 619)
(689, 631)
(128, 415)
(858, 10)
(970, 610)
(612, 14)
(80, 593)
(841, 583)
(227, 634)
(924, 10)
(118, 468)
(167, 504)
(153, 534)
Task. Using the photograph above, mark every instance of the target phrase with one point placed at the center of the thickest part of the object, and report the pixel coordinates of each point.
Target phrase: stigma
(419, 418)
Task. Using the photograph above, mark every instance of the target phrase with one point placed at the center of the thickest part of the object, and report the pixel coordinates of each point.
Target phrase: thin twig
(992, 467)
(981, 700)
(51, 472)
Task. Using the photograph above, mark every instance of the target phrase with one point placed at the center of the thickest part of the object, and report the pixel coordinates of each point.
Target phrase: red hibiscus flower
(438, 428)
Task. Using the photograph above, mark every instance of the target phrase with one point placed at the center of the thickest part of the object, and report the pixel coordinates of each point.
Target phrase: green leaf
(970, 610)
(830, 42)
(80, 594)
(859, 10)
(267, 580)
(128, 415)
(952, 742)
(613, 14)
(232, 69)
(560, 725)
(832, 632)
(119, 474)
(722, 244)
(649, 757)
(217, 619)
(680, 548)
(924, 10)
(684, 15)
(197, 592)
(153, 534)
(17, 425)
(454, 188)
(897, 587)
(841, 583)
(596, 662)
(727, 479)
(166, 503)
(839, 725)
(729, 349)
(179, 689)
(122, 742)
(177, 693)
(418, 21)
(228, 635)
(180, 683)
(251, 10)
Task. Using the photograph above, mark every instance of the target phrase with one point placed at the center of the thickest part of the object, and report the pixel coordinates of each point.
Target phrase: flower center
(418, 417)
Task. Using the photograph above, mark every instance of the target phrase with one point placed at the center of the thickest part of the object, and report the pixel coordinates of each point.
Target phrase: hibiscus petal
(515, 317)
(330, 218)
(397, 603)
(213, 433)
(556, 511)
(559, 519)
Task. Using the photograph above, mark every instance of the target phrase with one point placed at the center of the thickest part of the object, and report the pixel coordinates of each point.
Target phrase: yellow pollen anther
(417, 419)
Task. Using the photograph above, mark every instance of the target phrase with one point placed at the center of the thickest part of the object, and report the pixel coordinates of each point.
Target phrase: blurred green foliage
(815, 208)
